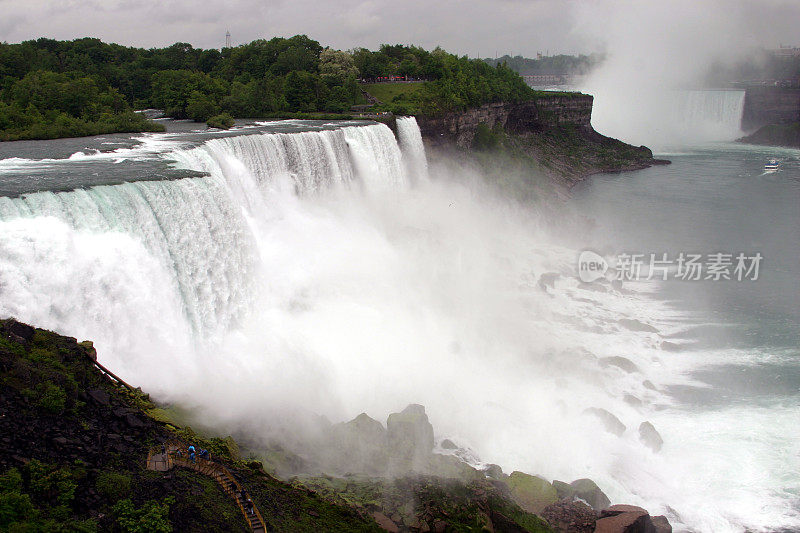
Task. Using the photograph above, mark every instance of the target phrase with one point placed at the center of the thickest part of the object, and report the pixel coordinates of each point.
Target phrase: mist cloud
(655, 52)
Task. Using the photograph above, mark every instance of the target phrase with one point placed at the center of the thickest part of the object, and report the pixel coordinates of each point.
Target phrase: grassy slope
(386, 92)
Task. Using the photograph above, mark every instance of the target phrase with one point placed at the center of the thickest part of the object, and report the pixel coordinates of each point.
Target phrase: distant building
(786, 51)
(539, 79)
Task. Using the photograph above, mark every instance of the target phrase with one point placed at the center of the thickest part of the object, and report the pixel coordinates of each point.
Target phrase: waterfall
(319, 272)
(663, 118)
(710, 114)
(172, 261)
(376, 156)
(413, 150)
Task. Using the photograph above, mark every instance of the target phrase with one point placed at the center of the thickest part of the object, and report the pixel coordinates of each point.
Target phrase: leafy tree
(223, 121)
(337, 65)
(52, 88)
(152, 517)
(301, 91)
(113, 485)
(200, 107)
(14, 505)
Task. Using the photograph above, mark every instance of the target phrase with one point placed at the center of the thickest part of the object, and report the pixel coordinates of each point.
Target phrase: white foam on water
(150, 146)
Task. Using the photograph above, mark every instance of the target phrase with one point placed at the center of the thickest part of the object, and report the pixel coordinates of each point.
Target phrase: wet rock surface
(571, 517)
(650, 437)
(610, 421)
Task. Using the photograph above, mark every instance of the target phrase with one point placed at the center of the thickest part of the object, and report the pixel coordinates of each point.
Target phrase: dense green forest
(52, 88)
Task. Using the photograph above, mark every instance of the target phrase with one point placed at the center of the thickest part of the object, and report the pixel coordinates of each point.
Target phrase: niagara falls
(283, 276)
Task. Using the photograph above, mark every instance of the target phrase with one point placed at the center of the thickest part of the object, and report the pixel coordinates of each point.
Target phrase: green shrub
(485, 138)
(113, 485)
(51, 398)
(200, 107)
(14, 505)
(51, 485)
(152, 517)
(222, 121)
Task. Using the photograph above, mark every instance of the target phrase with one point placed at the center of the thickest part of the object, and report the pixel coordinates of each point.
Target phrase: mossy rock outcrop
(429, 503)
(410, 439)
(582, 489)
(532, 493)
(588, 491)
(359, 445)
(450, 466)
(563, 490)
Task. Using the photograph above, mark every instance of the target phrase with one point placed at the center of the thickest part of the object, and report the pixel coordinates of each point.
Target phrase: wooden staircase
(174, 453)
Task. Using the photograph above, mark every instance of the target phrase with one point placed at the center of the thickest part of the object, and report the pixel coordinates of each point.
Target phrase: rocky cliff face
(775, 135)
(770, 105)
(554, 132)
(73, 445)
(523, 117)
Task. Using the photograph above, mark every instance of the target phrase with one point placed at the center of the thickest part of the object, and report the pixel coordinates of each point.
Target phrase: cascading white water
(306, 274)
(189, 227)
(663, 118)
(709, 114)
(410, 140)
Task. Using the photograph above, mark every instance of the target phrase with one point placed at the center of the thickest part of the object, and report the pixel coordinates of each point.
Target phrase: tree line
(561, 64)
(51, 88)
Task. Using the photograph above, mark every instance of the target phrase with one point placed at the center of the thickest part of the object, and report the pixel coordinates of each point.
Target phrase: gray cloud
(469, 27)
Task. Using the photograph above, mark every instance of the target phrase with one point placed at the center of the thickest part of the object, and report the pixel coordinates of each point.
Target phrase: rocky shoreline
(62, 418)
(784, 135)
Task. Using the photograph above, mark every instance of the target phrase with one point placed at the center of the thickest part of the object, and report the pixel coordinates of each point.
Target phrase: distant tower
(227, 39)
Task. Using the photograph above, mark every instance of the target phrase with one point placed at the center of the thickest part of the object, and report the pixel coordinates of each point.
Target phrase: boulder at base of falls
(622, 363)
(563, 490)
(450, 466)
(410, 438)
(630, 519)
(650, 436)
(357, 446)
(532, 493)
(661, 524)
(548, 279)
(447, 444)
(570, 517)
(636, 325)
(584, 490)
(610, 422)
(494, 472)
(588, 491)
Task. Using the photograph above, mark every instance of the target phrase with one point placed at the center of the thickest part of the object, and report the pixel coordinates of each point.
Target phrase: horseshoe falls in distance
(324, 273)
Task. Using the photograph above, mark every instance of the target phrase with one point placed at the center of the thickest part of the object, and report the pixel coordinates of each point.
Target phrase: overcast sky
(474, 27)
